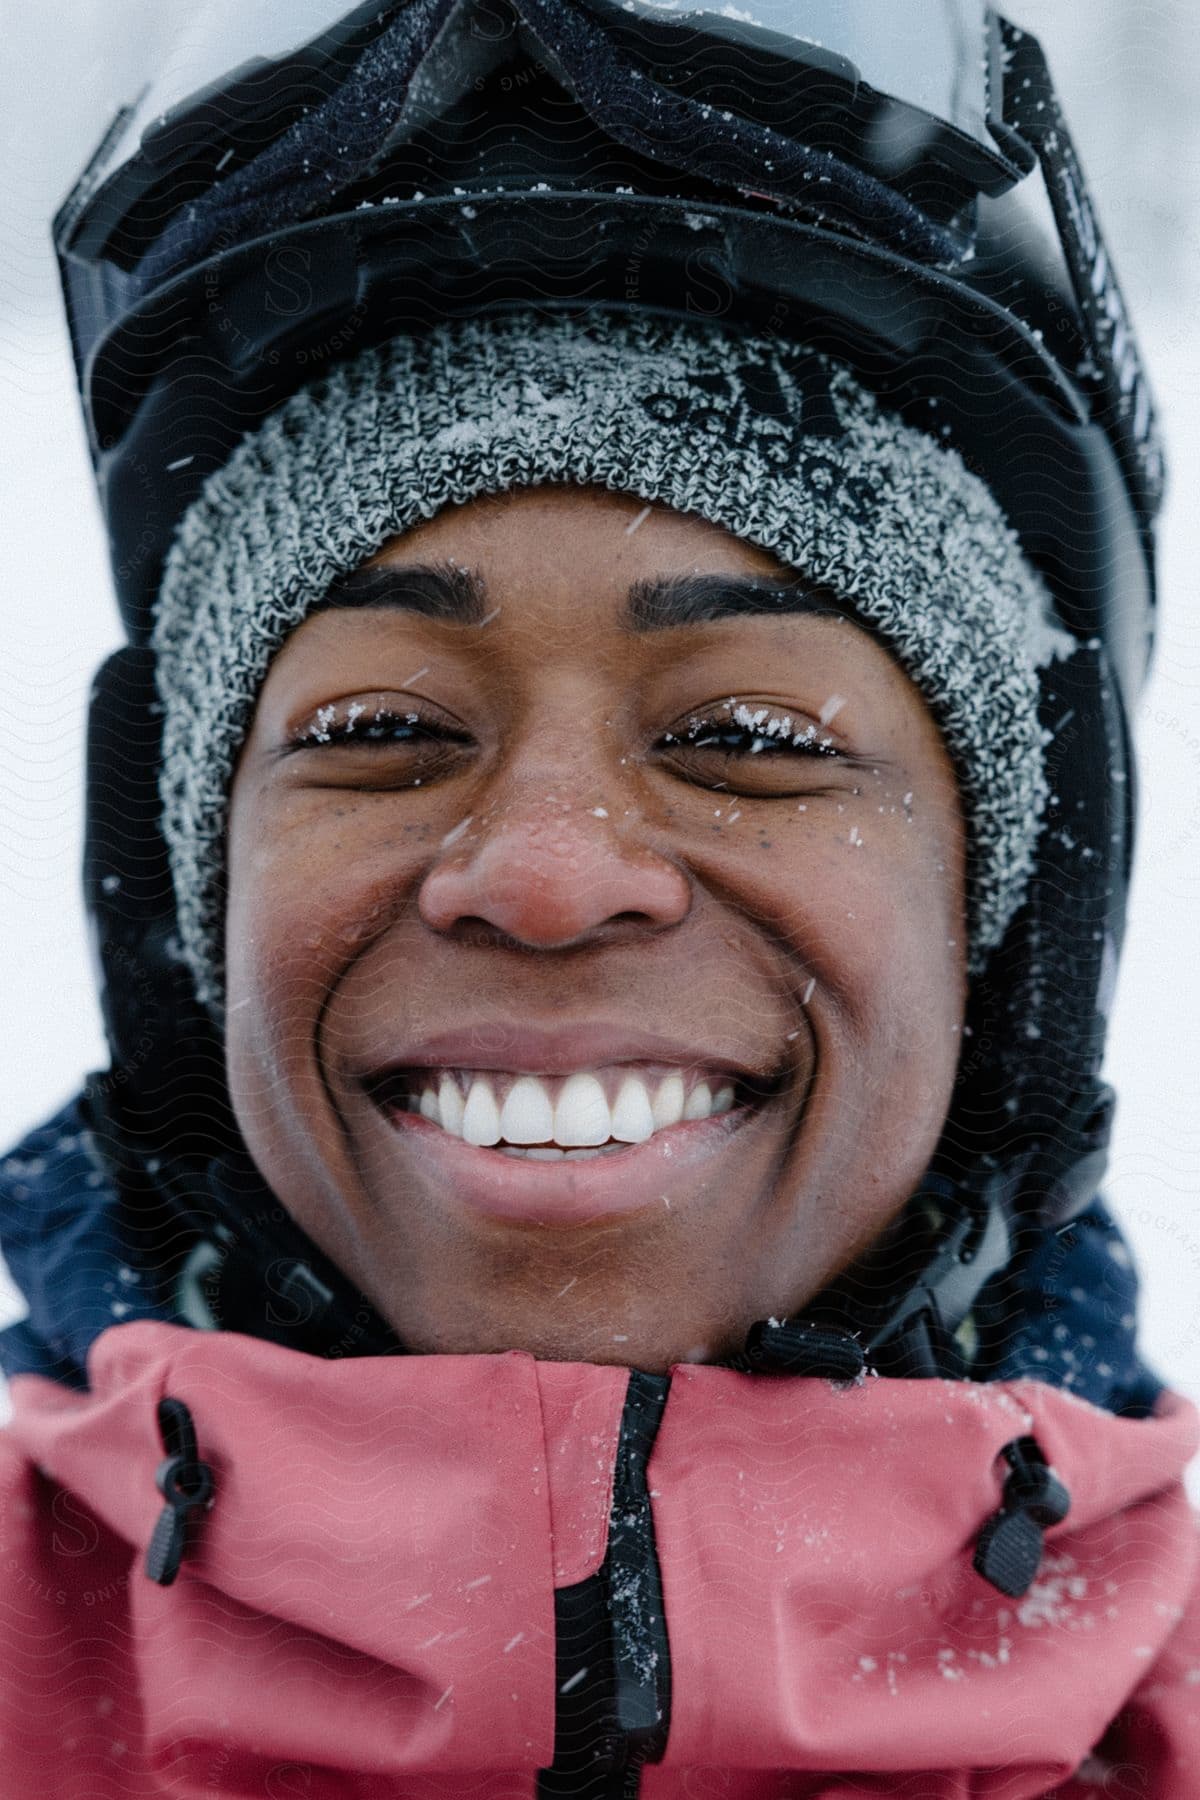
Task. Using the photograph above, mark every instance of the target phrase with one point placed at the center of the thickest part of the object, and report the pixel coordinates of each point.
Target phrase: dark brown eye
(750, 737)
(376, 744)
(359, 724)
(758, 750)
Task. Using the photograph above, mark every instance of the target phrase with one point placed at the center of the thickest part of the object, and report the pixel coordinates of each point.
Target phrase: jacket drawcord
(185, 1483)
(1008, 1549)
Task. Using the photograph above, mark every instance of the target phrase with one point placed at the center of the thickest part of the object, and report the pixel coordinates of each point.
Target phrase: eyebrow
(459, 596)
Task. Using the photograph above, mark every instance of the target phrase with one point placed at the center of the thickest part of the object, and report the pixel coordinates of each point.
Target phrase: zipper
(612, 1654)
(641, 1653)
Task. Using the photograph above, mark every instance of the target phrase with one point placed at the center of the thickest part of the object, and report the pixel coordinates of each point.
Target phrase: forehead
(558, 555)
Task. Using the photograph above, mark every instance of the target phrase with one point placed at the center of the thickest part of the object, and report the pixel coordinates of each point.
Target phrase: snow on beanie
(777, 443)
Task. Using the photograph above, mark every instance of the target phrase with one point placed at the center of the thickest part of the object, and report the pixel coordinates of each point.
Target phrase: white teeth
(579, 1123)
(699, 1102)
(481, 1116)
(632, 1119)
(668, 1103)
(581, 1115)
(527, 1116)
(451, 1102)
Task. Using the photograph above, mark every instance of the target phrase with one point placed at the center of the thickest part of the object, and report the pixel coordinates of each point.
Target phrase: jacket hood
(350, 1599)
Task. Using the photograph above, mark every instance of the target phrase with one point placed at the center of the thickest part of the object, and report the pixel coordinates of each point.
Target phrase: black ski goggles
(911, 93)
(891, 124)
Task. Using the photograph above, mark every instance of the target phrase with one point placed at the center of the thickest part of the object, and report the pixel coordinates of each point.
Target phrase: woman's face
(551, 800)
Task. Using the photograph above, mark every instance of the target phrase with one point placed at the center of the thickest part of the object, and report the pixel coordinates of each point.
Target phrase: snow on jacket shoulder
(374, 1604)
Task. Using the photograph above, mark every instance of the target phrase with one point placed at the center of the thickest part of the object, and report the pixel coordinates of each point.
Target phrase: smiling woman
(516, 770)
(601, 759)
(608, 843)
(502, 828)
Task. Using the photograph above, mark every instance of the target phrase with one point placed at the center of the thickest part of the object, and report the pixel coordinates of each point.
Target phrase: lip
(634, 1179)
(539, 1050)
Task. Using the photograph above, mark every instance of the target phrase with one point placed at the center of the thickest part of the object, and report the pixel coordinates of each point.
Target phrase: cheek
(906, 957)
(873, 888)
(870, 906)
(310, 886)
(910, 870)
(272, 918)
(905, 913)
(304, 882)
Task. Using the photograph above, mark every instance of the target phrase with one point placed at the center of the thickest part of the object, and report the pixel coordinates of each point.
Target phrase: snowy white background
(1130, 75)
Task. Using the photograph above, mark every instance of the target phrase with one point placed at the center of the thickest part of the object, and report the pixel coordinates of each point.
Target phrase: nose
(550, 874)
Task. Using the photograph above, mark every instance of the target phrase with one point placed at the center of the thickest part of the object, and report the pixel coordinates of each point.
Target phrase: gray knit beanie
(777, 443)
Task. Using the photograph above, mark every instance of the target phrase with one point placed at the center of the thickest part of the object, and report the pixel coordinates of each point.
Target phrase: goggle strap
(1119, 380)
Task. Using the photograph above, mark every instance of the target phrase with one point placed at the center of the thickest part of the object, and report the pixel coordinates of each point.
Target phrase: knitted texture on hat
(778, 444)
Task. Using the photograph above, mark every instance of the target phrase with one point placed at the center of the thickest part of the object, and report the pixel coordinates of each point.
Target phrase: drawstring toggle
(185, 1483)
(1009, 1548)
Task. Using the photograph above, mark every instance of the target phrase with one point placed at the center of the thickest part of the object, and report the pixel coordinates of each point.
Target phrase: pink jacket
(368, 1610)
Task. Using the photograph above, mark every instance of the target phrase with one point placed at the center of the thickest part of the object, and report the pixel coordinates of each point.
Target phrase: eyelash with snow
(766, 731)
(384, 726)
